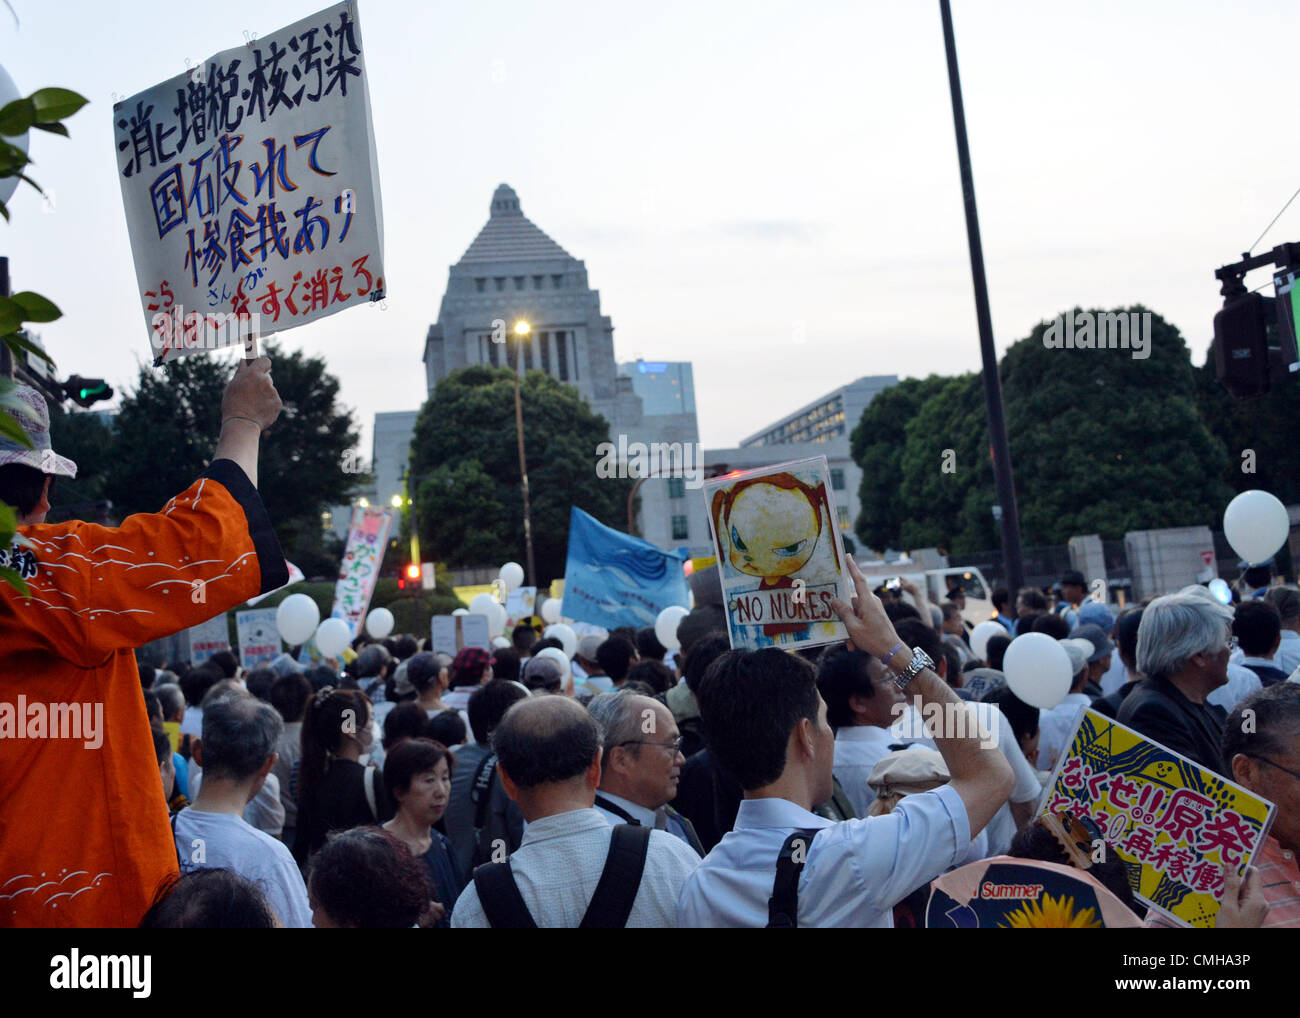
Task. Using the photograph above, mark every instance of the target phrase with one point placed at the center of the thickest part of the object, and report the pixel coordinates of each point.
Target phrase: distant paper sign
(251, 188)
(207, 638)
(367, 539)
(259, 640)
(1008, 893)
(1170, 820)
(520, 602)
(777, 539)
(453, 633)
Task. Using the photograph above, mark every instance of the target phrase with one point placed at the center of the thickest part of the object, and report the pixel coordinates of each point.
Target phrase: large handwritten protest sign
(1170, 820)
(259, 640)
(252, 189)
(777, 539)
(367, 539)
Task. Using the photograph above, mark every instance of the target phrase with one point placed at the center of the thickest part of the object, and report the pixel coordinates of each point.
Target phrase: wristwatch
(920, 659)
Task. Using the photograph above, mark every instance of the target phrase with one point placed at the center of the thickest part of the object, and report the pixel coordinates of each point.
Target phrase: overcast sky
(769, 190)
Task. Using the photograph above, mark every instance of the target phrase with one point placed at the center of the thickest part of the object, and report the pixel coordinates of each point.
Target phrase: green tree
(465, 465)
(876, 445)
(167, 429)
(88, 440)
(1101, 442)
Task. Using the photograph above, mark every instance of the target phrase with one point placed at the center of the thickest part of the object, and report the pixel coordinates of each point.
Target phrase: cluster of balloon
(296, 619)
(1256, 524)
(486, 604)
(567, 637)
(666, 626)
(1038, 670)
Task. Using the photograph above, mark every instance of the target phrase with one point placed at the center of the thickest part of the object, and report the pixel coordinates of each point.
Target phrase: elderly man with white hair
(1182, 649)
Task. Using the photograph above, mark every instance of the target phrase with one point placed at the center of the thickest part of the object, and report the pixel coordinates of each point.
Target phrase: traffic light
(410, 575)
(87, 391)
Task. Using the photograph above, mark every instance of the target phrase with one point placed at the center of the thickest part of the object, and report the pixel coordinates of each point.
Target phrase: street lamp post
(522, 331)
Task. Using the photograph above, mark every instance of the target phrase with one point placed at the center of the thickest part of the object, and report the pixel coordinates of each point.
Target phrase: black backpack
(783, 906)
(610, 906)
(480, 794)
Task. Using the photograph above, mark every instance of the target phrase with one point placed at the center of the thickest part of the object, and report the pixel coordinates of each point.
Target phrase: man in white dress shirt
(767, 725)
(860, 694)
(1287, 602)
(1055, 725)
(548, 750)
(640, 764)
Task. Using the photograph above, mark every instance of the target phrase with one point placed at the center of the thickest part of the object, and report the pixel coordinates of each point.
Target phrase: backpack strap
(482, 785)
(612, 903)
(499, 895)
(783, 906)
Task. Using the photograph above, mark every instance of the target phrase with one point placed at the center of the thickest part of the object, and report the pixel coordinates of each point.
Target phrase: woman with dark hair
(209, 900)
(418, 774)
(335, 789)
(366, 879)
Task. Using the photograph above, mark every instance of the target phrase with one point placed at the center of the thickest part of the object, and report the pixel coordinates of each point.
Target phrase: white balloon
(500, 642)
(482, 604)
(379, 623)
(1038, 670)
(460, 611)
(1221, 591)
(332, 637)
(565, 635)
(1256, 525)
(551, 610)
(512, 575)
(980, 636)
(296, 619)
(666, 626)
(557, 655)
(497, 619)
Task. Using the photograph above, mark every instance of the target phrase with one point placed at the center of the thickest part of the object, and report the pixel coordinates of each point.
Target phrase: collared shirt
(1241, 683)
(858, 748)
(660, 819)
(1279, 880)
(1054, 728)
(1288, 651)
(855, 871)
(1269, 669)
(559, 863)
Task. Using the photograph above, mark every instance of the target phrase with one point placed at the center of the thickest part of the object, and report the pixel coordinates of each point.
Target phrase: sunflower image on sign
(780, 556)
(1006, 893)
(1052, 914)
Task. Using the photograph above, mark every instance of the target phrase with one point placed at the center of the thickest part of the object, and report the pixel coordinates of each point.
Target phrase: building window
(676, 487)
(528, 353)
(493, 351)
(480, 283)
(680, 530)
(557, 282)
(544, 340)
(538, 281)
(519, 282)
(844, 516)
(837, 479)
(562, 357)
(500, 282)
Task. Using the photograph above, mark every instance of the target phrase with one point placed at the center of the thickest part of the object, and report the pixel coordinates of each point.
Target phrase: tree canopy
(465, 469)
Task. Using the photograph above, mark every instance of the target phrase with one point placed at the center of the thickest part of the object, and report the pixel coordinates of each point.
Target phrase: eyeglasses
(675, 745)
(1277, 765)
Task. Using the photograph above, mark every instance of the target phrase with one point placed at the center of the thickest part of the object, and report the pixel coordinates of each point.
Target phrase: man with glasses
(1182, 649)
(640, 765)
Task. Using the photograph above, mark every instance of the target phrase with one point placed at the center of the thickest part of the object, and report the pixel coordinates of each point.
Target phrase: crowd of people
(624, 785)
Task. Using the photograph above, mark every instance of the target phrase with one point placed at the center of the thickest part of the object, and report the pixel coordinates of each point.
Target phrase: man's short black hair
(289, 696)
(915, 633)
(448, 727)
(750, 702)
(488, 705)
(208, 899)
(505, 663)
(259, 682)
(648, 645)
(21, 486)
(1001, 598)
(405, 721)
(1258, 576)
(1033, 599)
(544, 740)
(615, 657)
(897, 611)
(1023, 718)
(523, 636)
(1053, 625)
(996, 649)
(1257, 626)
(147, 675)
(842, 674)
(1274, 714)
(198, 680)
(404, 646)
(153, 708)
(703, 653)
(227, 662)
(655, 674)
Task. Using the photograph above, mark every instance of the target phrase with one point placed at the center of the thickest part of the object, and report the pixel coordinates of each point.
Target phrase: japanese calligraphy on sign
(259, 640)
(207, 638)
(367, 539)
(1171, 821)
(251, 188)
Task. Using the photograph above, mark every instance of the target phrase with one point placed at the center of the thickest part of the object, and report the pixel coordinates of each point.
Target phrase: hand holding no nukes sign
(251, 188)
